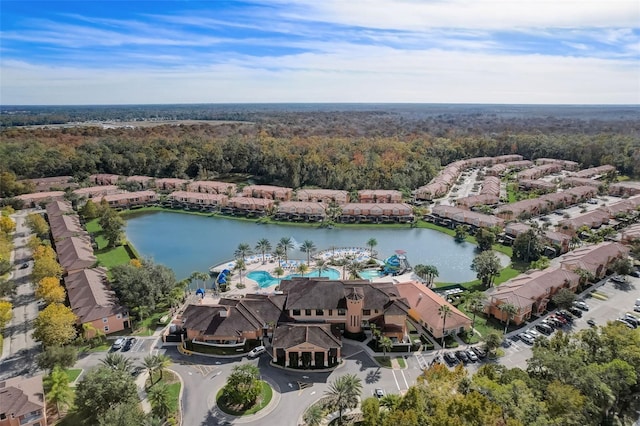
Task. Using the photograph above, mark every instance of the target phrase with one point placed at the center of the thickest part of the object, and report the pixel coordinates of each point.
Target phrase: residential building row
(307, 317)
(88, 290)
(530, 293)
(489, 195)
(22, 402)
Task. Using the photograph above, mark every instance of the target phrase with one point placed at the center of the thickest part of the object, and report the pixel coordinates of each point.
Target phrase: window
(375, 311)
(3, 416)
(342, 312)
(320, 312)
(295, 312)
(307, 312)
(366, 312)
(330, 312)
(106, 328)
(105, 319)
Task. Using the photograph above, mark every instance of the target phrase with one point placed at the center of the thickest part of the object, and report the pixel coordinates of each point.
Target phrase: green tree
(117, 361)
(57, 389)
(542, 263)
(386, 344)
(240, 267)
(390, 401)
(314, 415)
(462, 232)
(343, 393)
(493, 340)
(150, 363)
(372, 243)
(263, 246)
(160, 400)
(278, 271)
(370, 412)
(487, 267)
(243, 386)
(7, 288)
(510, 310)
(302, 269)
(445, 312)
(474, 300)
(485, 238)
(354, 267)
(622, 266)
(528, 246)
(564, 298)
(55, 325)
(89, 210)
(124, 415)
(431, 273)
(162, 363)
(285, 244)
(242, 251)
(61, 356)
(46, 267)
(112, 225)
(308, 247)
(6, 312)
(103, 388)
(321, 266)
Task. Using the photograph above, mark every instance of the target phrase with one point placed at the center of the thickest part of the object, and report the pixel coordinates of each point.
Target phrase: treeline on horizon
(346, 150)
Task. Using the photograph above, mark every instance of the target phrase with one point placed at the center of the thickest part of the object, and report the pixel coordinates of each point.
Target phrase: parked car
(632, 319)
(130, 341)
(378, 393)
(636, 308)
(581, 305)
(117, 345)
(576, 312)
(450, 358)
(526, 338)
(635, 274)
(136, 371)
(258, 350)
(591, 322)
(472, 356)
(531, 332)
(544, 329)
(24, 266)
(480, 353)
(627, 323)
(462, 356)
(617, 279)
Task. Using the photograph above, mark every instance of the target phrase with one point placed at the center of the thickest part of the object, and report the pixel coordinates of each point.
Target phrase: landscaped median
(244, 393)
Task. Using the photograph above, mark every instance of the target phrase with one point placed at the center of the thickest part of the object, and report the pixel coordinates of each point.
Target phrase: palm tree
(286, 244)
(242, 251)
(263, 246)
(279, 254)
(308, 247)
(163, 362)
(199, 276)
(371, 243)
(344, 392)
(117, 361)
(421, 271)
(432, 272)
(444, 311)
(391, 401)
(278, 271)
(151, 364)
(153, 421)
(59, 392)
(240, 266)
(511, 311)
(354, 267)
(386, 344)
(321, 266)
(302, 269)
(314, 415)
(160, 400)
(474, 301)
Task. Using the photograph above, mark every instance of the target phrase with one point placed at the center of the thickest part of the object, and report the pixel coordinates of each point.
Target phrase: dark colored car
(575, 311)
(130, 341)
(480, 353)
(591, 322)
(136, 371)
(544, 329)
(24, 266)
(462, 356)
(450, 359)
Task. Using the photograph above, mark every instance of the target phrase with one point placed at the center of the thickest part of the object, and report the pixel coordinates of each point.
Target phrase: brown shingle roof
(90, 295)
(75, 253)
(21, 395)
(57, 208)
(289, 335)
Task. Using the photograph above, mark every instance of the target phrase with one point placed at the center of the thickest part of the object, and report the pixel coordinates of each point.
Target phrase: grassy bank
(109, 256)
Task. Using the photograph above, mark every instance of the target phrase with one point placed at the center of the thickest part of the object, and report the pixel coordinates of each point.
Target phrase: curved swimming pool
(265, 279)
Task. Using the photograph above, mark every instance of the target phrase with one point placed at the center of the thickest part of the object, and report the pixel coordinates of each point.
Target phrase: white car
(256, 351)
(117, 345)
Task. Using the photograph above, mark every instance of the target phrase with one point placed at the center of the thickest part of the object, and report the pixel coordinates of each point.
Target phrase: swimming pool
(369, 274)
(265, 279)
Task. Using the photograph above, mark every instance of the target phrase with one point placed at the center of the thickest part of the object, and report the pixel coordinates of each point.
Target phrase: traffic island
(235, 409)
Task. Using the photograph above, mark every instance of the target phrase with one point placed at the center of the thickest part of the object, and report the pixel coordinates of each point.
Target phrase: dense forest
(357, 148)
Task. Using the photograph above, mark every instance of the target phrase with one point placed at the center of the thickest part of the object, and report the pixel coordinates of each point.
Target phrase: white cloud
(370, 74)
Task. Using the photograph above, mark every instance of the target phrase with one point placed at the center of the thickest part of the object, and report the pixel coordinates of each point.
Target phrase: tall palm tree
(286, 244)
(511, 310)
(474, 301)
(354, 267)
(240, 266)
(162, 362)
(308, 247)
(278, 271)
(371, 243)
(199, 276)
(444, 311)
(432, 272)
(160, 400)
(279, 254)
(386, 344)
(343, 393)
(421, 271)
(150, 363)
(58, 390)
(321, 266)
(263, 246)
(117, 361)
(302, 269)
(391, 401)
(242, 251)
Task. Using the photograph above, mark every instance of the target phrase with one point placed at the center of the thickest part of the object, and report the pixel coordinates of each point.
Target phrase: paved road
(19, 348)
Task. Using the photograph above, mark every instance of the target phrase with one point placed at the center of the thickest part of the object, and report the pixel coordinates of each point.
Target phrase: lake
(188, 243)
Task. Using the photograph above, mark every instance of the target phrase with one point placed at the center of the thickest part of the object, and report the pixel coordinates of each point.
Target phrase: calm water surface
(188, 243)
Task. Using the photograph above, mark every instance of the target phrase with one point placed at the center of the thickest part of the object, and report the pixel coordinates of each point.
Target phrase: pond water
(188, 243)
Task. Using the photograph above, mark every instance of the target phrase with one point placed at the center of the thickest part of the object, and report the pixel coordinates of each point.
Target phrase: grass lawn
(263, 400)
(73, 373)
(107, 257)
(173, 385)
(88, 348)
(384, 361)
(149, 325)
(401, 362)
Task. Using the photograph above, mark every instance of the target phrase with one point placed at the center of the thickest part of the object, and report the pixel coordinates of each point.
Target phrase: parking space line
(405, 379)
(395, 379)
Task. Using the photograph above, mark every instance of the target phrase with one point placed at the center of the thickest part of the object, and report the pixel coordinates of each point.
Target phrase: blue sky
(441, 51)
